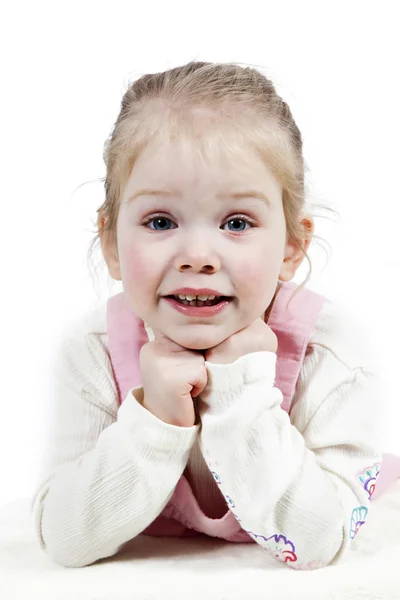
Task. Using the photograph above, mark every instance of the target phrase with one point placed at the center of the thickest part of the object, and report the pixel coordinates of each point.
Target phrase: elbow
(319, 557)
(52, 540)
(62, 557)
(65, 546)
(336, 553)
(62, 554)
(57, 550)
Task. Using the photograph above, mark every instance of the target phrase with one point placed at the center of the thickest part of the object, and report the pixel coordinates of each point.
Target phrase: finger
(199, 383)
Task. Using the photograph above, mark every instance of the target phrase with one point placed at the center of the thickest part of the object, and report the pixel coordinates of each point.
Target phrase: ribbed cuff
(228, 384)
(246, 369)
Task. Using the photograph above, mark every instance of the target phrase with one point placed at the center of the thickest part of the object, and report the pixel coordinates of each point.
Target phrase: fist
(172, 376)
(257, 337)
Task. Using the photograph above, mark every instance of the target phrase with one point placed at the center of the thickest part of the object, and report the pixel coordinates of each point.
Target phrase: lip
(197, 292)
(198, 311)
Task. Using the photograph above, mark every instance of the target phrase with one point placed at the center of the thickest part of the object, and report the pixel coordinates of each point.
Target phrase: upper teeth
(190, 298)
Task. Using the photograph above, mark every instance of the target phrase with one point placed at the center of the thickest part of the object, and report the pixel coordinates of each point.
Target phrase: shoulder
(340, 370)
(85, 333)
(342, 334)
(339, 353)
(82, 360)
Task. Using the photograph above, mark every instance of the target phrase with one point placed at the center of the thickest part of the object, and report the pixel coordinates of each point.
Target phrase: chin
(196, 341)
(195, 344)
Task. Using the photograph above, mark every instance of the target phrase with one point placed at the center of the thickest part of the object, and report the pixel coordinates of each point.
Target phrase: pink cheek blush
(141, 271)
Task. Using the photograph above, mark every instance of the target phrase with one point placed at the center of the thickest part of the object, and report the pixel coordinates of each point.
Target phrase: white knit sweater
(109, 470)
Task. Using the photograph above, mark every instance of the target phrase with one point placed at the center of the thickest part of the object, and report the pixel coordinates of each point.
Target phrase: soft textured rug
(173, 569)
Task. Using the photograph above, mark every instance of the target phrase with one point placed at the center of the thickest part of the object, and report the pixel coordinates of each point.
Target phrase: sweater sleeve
(108, 470)
(297, 484)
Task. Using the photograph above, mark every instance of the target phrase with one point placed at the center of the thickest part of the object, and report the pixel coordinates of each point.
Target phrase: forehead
(182, 166)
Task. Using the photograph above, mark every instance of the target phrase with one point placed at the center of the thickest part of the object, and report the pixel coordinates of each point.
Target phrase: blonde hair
(202, 104)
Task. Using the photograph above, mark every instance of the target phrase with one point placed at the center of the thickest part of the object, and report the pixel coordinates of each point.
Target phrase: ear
(293, 255)
(109, 249)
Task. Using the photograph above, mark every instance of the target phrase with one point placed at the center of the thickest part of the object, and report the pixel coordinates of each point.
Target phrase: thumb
(199, 383)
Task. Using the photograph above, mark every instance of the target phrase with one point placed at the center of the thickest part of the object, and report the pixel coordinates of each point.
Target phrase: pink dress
(182, 516)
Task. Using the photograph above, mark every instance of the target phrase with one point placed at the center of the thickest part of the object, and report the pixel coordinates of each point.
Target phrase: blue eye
(161, 223)
(238, 221)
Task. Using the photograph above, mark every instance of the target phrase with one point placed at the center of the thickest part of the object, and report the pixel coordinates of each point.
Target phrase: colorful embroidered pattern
(358, 518)
(216, 477)
(230, 502)
(368, 479)
(282, 548)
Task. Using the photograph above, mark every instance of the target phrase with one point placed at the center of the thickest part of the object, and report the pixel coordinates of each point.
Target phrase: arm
(109, 471)
(293, 482)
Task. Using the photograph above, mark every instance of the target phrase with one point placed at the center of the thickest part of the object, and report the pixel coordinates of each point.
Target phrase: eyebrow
(234, 196)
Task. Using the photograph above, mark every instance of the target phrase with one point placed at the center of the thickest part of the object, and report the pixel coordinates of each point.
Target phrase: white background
(64, 69)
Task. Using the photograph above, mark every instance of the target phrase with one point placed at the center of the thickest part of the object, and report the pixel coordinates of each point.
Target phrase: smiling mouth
(214, 302)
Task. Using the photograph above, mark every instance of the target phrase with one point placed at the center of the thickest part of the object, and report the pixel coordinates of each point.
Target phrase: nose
(196, 254)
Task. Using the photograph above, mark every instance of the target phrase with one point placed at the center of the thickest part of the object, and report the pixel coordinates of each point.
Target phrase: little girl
(212, 396)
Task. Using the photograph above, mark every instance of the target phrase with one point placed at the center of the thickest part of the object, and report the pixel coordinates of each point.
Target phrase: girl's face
(218, 225)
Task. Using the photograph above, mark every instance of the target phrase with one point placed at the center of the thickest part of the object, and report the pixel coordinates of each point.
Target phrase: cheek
(136, 266)
(258, 280)
(255, 274)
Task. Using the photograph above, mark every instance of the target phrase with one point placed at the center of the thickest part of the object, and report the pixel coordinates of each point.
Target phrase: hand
(171, 377)
(254, 338)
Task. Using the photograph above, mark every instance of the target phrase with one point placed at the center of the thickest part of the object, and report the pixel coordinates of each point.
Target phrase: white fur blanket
(172, 569)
